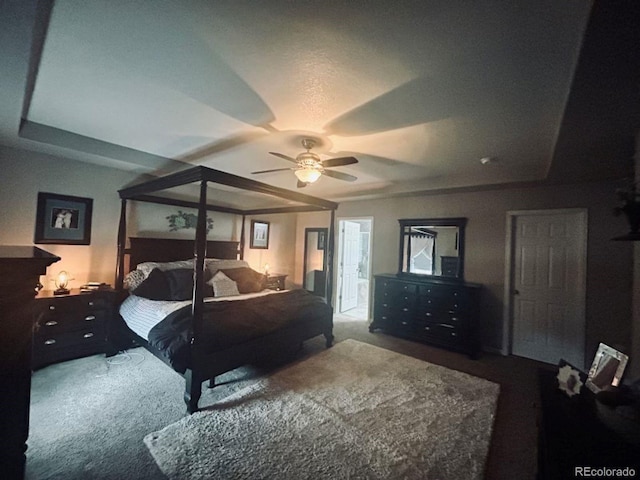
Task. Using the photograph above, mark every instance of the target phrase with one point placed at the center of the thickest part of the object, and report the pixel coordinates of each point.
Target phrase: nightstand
(71, 326)
(275, 281)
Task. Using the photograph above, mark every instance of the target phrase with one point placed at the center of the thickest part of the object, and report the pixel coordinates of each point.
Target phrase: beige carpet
(354, 411)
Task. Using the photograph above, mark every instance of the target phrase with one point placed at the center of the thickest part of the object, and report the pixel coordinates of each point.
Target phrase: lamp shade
(307, 174)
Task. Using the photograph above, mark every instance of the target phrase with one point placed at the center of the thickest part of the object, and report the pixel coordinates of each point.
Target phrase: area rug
(354, 411)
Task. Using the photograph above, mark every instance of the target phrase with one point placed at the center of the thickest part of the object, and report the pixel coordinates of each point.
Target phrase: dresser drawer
(440, 332)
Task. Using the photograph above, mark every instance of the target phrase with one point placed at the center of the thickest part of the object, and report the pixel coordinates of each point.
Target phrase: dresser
(71, 326)
(430, 310)
(20, 270)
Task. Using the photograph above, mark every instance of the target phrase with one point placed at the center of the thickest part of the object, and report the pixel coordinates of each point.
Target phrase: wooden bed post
(329, 277)
(242, 238)
(122, 239)
(193, 386)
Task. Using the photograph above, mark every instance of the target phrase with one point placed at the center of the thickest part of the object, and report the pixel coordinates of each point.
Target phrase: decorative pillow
(154, 287)
(133, 279)
(247, 279)
(223, 286)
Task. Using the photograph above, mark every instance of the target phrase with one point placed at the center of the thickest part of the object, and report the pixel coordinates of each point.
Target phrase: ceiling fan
(309, 167)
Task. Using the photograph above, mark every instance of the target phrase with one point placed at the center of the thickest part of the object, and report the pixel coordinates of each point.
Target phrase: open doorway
(354, 267)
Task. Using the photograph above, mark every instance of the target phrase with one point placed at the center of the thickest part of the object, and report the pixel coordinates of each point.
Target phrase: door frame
(507, 314)
(338, 268)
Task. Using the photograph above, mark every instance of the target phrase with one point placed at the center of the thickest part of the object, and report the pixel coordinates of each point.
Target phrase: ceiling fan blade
(272, 170)
(339, 162)
(301, 184)
(340, 175)
(285, 157)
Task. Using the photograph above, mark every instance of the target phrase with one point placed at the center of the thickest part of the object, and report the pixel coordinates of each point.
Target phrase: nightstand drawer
(76, 304)
(84, 336)
(53, 324)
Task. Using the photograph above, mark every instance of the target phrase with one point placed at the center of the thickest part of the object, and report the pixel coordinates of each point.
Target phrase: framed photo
(63, 219)
(259, 234)
(322, 240)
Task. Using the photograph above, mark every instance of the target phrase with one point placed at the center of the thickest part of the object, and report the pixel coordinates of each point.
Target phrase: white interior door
(350, 234)
(549, 286)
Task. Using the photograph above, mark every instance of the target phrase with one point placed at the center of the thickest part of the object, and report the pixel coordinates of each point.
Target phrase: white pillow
(223, 286)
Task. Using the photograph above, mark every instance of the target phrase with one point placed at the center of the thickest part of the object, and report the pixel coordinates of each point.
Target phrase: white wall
(609, 268)
(24, 174)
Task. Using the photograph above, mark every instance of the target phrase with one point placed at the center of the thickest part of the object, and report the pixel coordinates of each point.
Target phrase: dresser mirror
(315, 260)
(432, 247)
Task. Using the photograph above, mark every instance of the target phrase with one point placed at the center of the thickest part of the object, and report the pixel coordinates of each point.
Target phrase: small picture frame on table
(259, 234)
(63, 219)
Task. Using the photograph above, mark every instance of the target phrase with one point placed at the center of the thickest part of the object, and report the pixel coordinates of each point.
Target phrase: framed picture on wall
(63, 219)
(259, 234)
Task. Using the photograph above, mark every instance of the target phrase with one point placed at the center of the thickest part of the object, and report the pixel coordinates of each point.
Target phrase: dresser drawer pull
(384, 317)
(455, 319)
(52, 307)
(88, 335)
(385, 305)
(90, 318)
(454, 334)
(90, 303)
(404, 323)
(427, 328)
(51, 341)
(405, 309)
(51, 323)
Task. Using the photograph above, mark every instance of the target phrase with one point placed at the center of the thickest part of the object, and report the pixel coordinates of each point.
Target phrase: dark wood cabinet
(572, 438)
(71, 326)
(435, 311)
(20, 270)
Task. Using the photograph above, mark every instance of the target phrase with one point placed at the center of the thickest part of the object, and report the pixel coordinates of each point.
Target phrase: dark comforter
(229, 323)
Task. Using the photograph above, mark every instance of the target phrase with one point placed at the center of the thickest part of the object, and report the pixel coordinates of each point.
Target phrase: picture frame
(322, 240)
(607, 368)
(259, 234)
(63, 219)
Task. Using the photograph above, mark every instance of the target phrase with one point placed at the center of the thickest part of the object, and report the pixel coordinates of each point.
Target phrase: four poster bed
(196, 304)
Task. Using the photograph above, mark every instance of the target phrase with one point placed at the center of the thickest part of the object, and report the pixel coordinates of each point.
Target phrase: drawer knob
(404, 323)
(427, 328)
(51, 323)
(52, 307)
(90, 303)
(51, 341)
(454, 334)
(88, 335)
(90, 318)
(405, 309)
(428, 314)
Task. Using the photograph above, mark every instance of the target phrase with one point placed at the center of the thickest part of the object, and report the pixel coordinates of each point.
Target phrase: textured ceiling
(418, 91)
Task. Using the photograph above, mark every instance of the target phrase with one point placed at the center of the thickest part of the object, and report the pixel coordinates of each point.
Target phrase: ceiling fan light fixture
(308, 174)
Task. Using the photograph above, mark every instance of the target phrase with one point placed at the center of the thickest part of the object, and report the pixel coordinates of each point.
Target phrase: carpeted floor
(88, 417)
(353, 411)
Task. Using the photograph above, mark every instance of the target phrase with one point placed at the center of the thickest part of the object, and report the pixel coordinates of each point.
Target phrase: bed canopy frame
(148, 192)
(208, 365)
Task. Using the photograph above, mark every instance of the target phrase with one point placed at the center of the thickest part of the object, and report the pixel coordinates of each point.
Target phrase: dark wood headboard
(169, 250)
